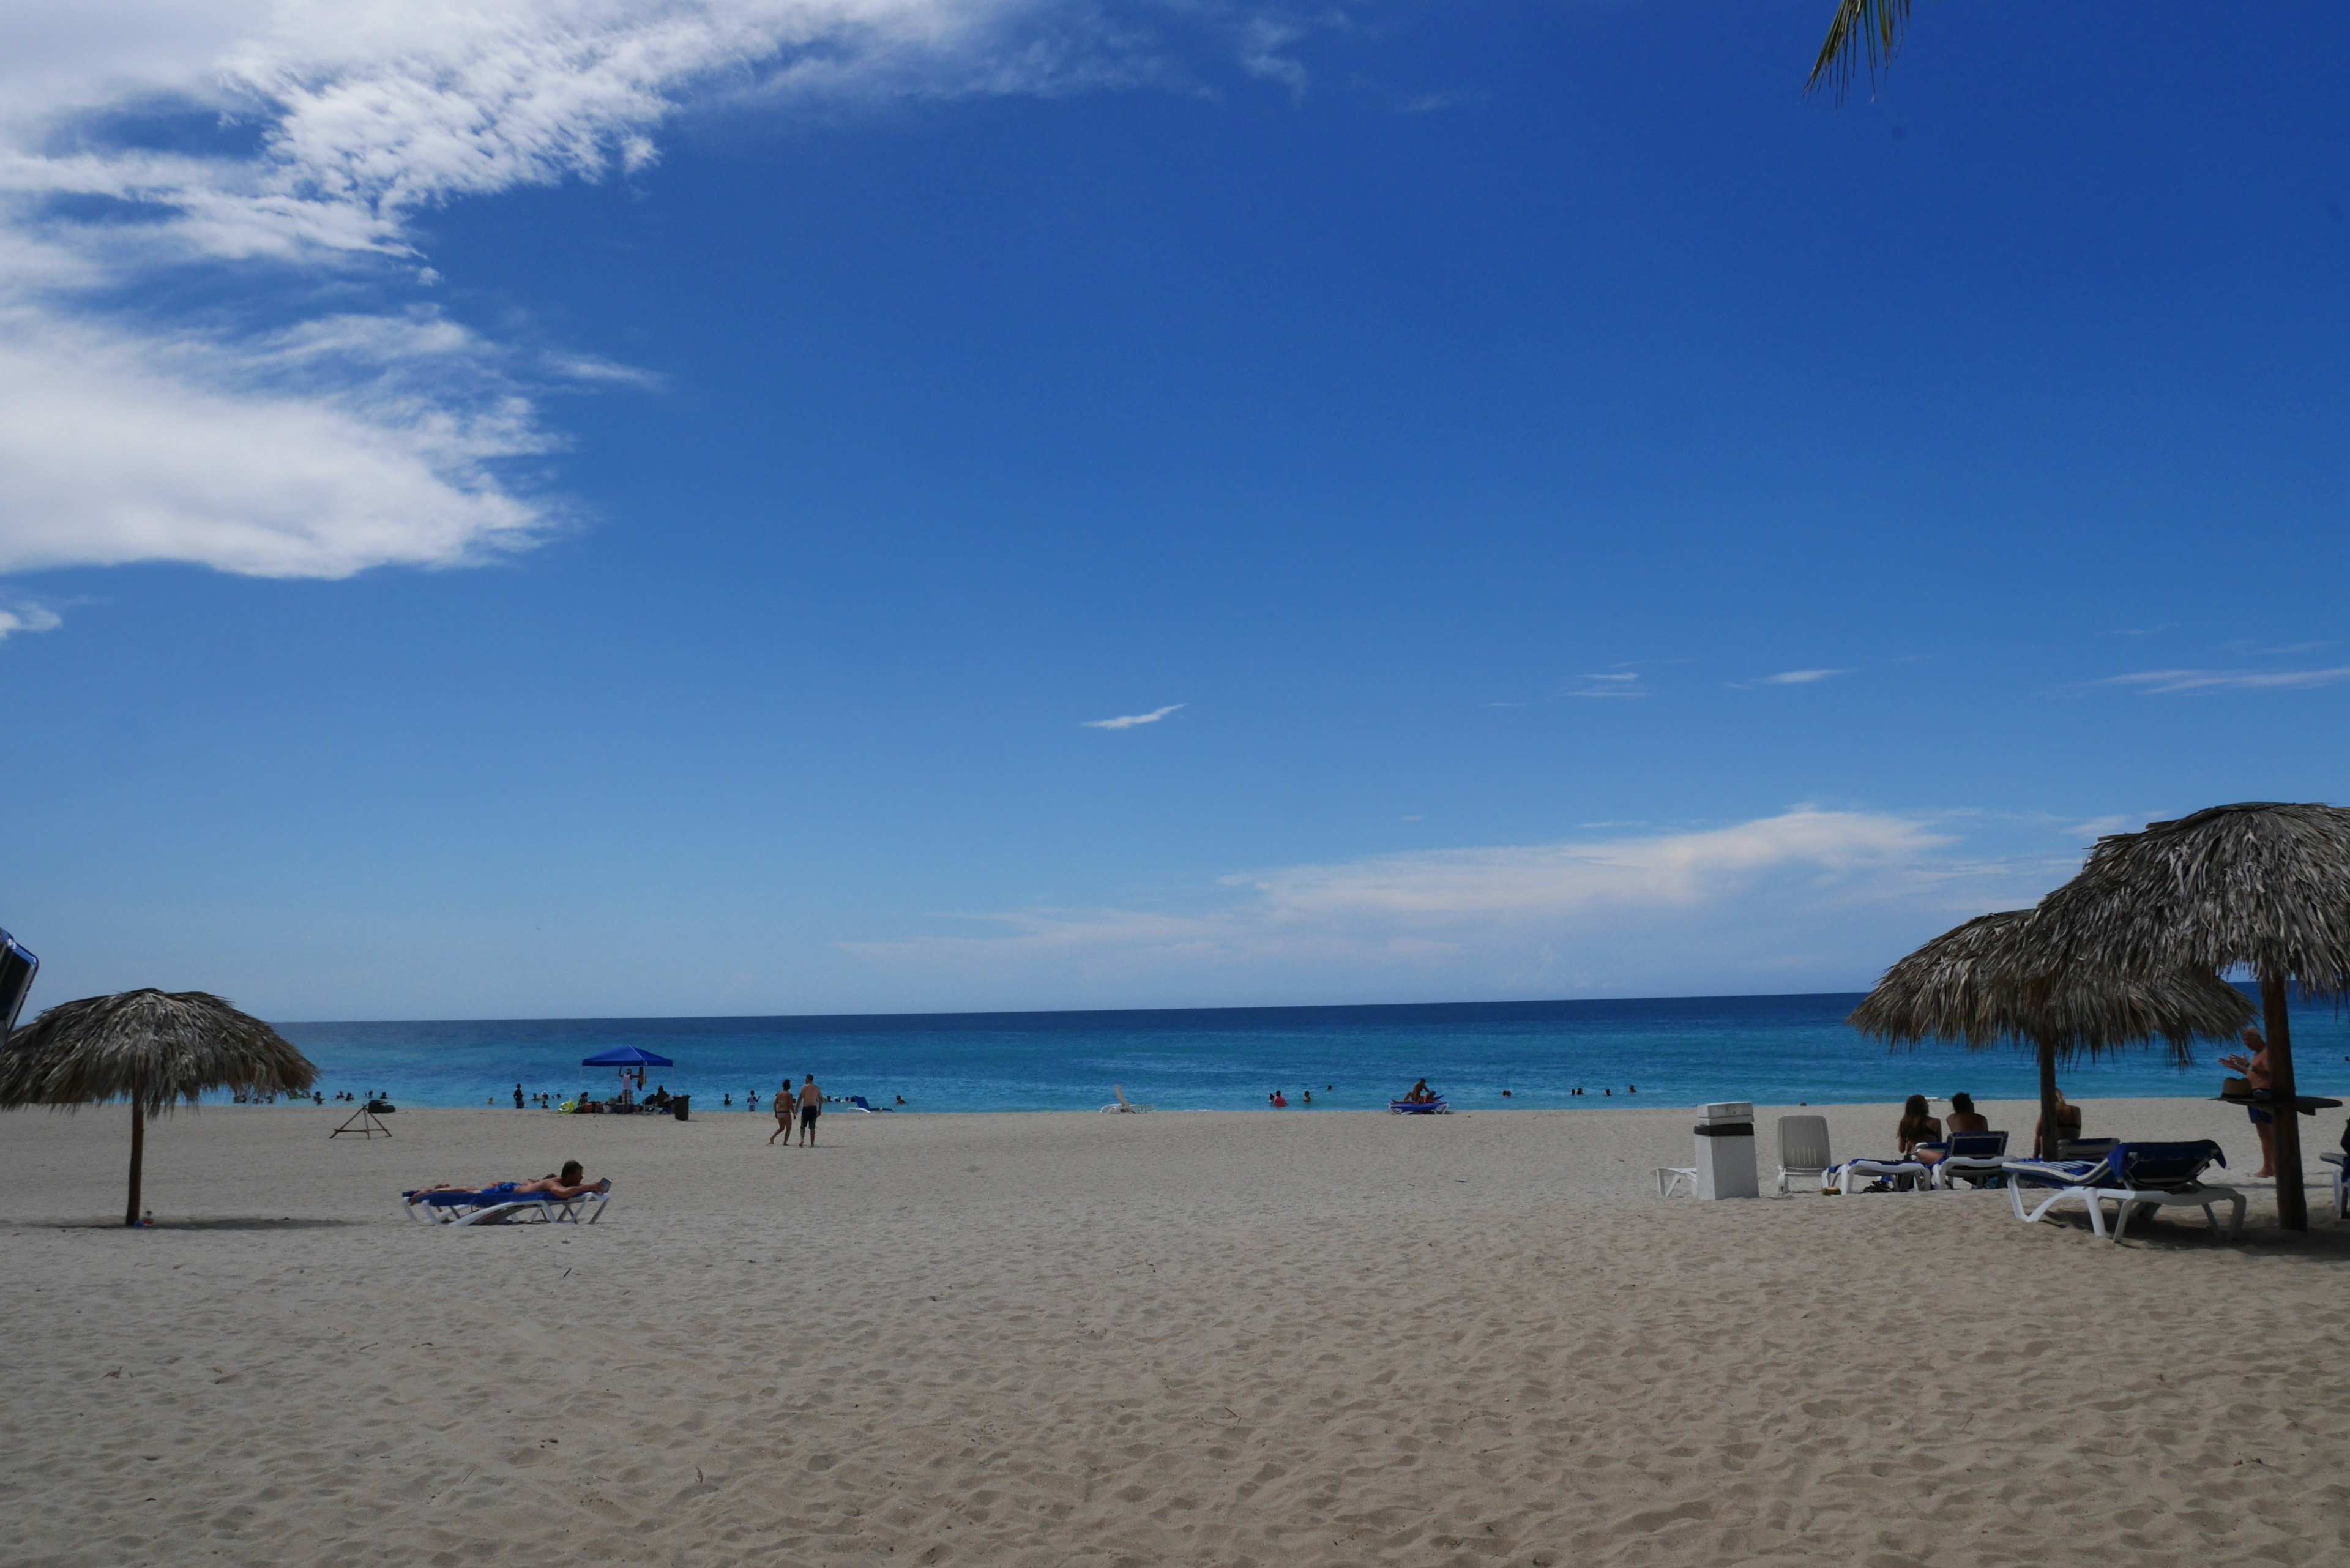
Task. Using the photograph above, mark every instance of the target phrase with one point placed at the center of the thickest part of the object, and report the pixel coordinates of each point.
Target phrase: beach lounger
(1802, 1149)
(1917, 1172)
(2136, 1178)
(1420, 1108)
(1670, 1177)
(1124, 1103)
(500, 1205)
(1980, 1158)
(872, 1110)
(2341, 1164)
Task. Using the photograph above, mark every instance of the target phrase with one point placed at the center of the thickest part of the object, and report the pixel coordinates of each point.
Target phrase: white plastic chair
(1802, 1149)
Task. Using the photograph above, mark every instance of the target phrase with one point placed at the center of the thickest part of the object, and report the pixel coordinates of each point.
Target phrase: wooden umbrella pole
(2051, 1135)
(138, 1157)
(2292, 1203)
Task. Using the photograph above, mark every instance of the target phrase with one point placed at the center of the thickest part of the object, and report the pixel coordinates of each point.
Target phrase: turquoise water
(1482, 1055)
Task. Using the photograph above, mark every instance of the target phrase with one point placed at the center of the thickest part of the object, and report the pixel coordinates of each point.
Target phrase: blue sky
(564, 507)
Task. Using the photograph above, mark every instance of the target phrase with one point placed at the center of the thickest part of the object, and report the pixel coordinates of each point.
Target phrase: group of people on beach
(1921, 1134)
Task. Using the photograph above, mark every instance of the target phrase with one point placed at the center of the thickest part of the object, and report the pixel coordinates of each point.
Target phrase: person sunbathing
(1918, 1127)
(568, 1183)
(1963, 1117)
(1420, 1094)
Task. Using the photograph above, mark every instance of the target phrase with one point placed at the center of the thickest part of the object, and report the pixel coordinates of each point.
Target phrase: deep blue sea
(1481, 1055)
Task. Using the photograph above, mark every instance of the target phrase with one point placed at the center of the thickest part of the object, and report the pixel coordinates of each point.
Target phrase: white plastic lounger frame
(1124, 1103)
(2341, 1164)
(1671, 1178)
(1921, 1174)
(537, 1209)
(2129, 1200)
(1802, 1149)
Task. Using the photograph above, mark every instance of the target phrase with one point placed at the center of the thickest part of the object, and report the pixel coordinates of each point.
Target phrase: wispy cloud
(1800, 677)
(2161, 682)
(1608, 683)
(1809, 896)
(28, 618)
(160, 150)
(2140, 630)
(1129, 721)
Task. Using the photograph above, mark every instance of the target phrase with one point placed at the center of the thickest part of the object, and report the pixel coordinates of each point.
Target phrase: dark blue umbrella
(628, 1056)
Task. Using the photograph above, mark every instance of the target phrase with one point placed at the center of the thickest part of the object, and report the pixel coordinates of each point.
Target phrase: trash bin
(1725, 1151)
(679, 1105)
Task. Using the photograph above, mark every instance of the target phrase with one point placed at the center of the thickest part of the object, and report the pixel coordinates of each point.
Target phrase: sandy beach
(1207, 1338)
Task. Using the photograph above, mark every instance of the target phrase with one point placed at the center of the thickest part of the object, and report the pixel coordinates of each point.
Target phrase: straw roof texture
(2260, 883)
(153, 1048)
(1986, 984)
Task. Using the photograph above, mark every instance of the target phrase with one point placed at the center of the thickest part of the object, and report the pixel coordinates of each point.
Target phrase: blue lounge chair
(1977, 1157)
(500, 1205)
(1421, 1107)
(2136, 1178)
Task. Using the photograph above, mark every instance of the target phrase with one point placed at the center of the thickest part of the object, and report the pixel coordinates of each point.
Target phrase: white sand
(1253, 1338)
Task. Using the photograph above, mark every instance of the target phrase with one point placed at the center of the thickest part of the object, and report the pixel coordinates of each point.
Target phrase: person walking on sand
(782, 1106)
(811, 1107)
(2254, 1066)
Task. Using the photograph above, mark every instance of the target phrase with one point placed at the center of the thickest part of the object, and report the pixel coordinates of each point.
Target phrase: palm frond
(1870, 27)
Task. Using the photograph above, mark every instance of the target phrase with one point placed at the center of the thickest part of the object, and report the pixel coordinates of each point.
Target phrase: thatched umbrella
(2261, 885)
(1988, 982)
(153, 1048)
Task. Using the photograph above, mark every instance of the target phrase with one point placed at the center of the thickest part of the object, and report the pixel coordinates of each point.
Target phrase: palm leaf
(1873, 27)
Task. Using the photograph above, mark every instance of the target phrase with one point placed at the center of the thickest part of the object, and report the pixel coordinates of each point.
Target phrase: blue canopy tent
(627, 1057)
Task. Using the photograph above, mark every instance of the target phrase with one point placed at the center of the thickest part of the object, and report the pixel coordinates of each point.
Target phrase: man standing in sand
(2252, 1062)
(811, 1107)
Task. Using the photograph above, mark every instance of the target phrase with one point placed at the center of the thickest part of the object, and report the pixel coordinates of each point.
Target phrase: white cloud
(1800, 677)
(1808, 898)
(2156, 683)
(1611, 684)
(257, 149)
(1129, 721)
(28, 618)
(115, 448)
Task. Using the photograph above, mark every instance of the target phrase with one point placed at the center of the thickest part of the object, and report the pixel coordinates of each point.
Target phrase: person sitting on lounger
(2068, 1128)
(1963, 1117)
(570, 1182)
(1919, 1126)
(1420, 1094)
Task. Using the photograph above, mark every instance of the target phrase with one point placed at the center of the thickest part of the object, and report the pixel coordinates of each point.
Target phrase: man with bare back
(811, 1107)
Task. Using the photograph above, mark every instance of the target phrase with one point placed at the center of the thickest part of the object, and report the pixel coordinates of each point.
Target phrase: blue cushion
(2157, 1167)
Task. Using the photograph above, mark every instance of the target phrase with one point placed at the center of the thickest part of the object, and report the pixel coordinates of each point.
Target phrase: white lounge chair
(1672, 1177)
(1124, 1103)
(2135, 1178)
(499, 1206)
(1802, 1149)
(2341, 1164)
(1917, 1172)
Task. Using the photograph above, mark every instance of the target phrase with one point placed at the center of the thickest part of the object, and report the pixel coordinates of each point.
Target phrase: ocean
(1680, 1051)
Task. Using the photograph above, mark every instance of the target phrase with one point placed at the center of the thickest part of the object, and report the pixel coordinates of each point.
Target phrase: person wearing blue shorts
(2254, 1063)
